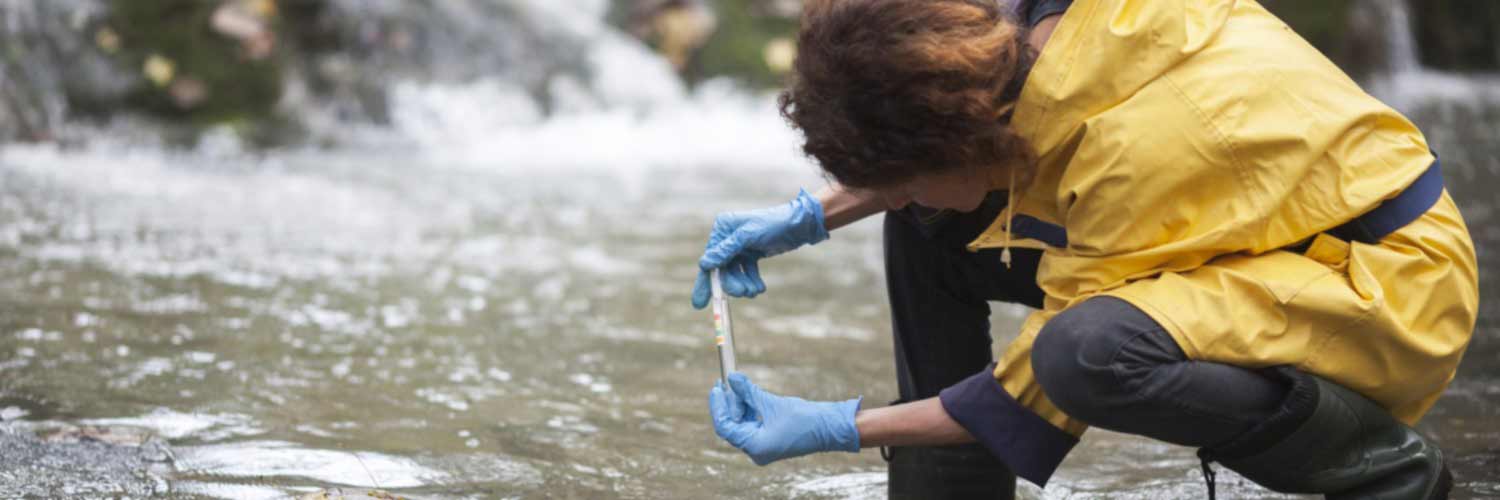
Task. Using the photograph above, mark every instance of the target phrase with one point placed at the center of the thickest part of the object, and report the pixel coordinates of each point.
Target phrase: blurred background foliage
(196, 63)
(738, 47)
(240, 76)
(1459, 35)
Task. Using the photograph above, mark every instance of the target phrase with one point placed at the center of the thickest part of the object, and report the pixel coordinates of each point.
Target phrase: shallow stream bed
(297, 321)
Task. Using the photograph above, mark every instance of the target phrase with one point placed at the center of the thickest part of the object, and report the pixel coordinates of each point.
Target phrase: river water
(468, 306)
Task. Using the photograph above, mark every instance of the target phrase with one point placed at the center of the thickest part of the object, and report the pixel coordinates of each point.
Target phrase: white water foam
(717, 125)
(170, 424)
(280, 459)
(632, 112)
(845, 486)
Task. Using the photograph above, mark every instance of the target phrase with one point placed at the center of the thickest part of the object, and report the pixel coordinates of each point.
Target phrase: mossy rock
(179, 31)
(737, 48)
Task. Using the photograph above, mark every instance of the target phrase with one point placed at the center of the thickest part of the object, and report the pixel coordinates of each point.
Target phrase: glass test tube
(723, 329)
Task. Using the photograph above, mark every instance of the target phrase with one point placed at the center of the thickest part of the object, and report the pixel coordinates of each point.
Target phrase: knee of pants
(1073, 357)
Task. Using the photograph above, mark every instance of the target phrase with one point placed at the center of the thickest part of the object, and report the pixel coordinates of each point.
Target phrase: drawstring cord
(1010, 214)
(1208, 477)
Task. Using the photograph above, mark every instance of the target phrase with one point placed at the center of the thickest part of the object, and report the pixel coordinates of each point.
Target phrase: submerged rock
(343, 494)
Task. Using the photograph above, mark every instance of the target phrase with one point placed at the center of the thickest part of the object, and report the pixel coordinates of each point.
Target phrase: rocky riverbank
(52, 459)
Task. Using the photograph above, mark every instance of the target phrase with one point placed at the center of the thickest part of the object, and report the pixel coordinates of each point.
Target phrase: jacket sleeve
(1004, 408)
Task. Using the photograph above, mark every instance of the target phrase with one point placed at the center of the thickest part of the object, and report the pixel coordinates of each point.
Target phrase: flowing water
(484, 302)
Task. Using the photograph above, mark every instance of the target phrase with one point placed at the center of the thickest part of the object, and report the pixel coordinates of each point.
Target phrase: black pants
(1103, 361)
(941, 327)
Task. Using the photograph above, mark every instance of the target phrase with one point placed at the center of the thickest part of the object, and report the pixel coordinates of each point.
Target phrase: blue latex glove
(769, 427)
(740, 239)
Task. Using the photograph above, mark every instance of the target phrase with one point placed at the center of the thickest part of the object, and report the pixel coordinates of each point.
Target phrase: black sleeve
(1026, 442)
(1034, 11)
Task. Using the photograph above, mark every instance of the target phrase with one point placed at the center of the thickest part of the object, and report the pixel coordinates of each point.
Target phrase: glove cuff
(809, 217)
(845, 432)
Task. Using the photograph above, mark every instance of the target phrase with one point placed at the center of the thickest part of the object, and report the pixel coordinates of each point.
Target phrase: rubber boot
(948, 472)
(1328, 439)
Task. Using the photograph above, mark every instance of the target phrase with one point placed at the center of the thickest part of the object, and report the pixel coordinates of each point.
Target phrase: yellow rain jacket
(1182, 144)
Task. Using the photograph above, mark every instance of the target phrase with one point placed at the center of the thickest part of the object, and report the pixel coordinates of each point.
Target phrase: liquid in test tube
(723, 329)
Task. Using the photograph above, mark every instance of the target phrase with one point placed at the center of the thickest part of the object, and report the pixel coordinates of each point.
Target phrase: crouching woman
(1229, 244)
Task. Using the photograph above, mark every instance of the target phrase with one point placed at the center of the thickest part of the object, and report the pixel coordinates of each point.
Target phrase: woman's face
(961, 189)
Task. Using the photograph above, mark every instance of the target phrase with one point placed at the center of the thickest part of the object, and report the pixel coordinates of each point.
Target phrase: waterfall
(32, 87)
(1401, 41)
(621, 107)
(1400, 79)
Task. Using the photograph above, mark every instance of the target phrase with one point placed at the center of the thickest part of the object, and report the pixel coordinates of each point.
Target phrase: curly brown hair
(887, 90)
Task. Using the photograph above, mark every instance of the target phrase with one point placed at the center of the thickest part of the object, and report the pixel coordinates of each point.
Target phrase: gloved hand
(740, 239)
(769, 427)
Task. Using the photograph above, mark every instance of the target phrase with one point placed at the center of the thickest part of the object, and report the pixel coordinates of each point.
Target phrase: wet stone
(343, 494)
(51, 459)
(65, 433)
